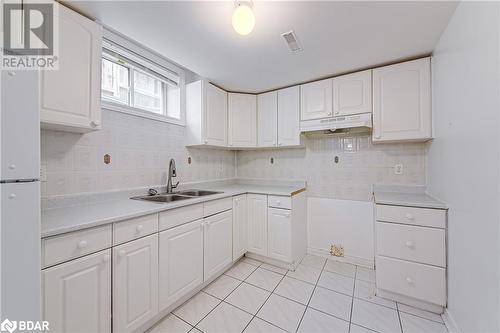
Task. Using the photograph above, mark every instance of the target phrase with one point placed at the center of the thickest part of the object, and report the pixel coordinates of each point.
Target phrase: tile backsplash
(140, 150)
(360, 165)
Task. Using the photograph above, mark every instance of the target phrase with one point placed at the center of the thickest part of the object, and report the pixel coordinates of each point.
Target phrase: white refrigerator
(20, 277)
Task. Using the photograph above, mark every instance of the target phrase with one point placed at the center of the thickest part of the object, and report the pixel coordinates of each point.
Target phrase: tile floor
(320, 296)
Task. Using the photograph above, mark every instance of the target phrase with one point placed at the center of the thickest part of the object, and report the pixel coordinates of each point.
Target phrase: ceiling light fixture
(243, 18)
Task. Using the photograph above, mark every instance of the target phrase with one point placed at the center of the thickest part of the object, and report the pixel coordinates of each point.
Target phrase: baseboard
(370, 263)
(449, 322)
(277, 263)
(438, 309)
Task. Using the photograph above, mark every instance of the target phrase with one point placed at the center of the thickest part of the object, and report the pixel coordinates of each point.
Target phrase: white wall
(463, 161)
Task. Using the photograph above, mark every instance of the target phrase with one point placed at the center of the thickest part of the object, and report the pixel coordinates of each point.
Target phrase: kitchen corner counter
(406, 196)
(56, 221)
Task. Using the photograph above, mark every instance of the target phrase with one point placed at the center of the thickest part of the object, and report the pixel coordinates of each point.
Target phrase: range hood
(362, 122)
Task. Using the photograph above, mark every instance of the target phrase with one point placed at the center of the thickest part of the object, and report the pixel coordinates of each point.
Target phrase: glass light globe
(243, 20)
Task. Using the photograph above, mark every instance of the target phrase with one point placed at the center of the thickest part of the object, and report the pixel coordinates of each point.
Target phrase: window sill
(140, 113)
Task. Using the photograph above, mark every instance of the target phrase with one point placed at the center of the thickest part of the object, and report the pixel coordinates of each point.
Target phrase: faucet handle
(175, 186)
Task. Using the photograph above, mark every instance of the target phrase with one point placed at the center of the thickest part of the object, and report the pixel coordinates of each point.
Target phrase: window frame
(148, 63)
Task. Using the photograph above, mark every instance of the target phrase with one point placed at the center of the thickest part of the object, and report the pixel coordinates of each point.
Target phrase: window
(132, 84)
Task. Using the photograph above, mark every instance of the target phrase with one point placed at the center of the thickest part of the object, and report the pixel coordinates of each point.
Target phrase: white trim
(449, 321)
(347, 259)
(107, 105)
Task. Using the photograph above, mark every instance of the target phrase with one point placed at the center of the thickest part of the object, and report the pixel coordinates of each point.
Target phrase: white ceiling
(337, 37)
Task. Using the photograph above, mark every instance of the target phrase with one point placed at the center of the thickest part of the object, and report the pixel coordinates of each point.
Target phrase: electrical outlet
(398, 169)
(337, 250)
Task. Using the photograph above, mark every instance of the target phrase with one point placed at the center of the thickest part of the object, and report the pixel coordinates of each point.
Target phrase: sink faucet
(171, 173)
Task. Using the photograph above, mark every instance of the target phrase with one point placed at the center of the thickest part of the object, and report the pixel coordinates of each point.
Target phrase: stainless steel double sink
(176, 196)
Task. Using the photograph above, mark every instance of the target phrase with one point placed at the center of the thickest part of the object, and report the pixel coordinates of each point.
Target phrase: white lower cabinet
(135, 283)
(180, 261)
(218, 245)
(257, 224)
(279, 229)
(239, 226)
(77, 294)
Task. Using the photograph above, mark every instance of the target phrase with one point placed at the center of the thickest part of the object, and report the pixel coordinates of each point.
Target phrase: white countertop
(406, 196)
(57, 221)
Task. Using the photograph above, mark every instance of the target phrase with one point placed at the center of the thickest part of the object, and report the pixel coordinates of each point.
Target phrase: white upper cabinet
(206, 114)
(257, 223)
(218, 245)
(239, 226)
(180, 262)
(352, 94)
(70, 97)
(267, 119)
(135, 283)
(402, 102)
(289, 117)
(77, 294)
(242, 117)
(316, 100)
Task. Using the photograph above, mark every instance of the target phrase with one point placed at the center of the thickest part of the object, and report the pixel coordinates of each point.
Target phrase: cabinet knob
(139, 228)
(409, 244)
(12, 196)
(409, 216)
(106, 258)
(11, 73)
(409, 280)
(83, 244)
(121, 253)
(12, 166)
(330, 113)
(336, 112)
(206, 141)
(95, 123)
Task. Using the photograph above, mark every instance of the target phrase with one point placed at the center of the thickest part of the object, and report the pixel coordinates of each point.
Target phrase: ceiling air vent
(292, 41)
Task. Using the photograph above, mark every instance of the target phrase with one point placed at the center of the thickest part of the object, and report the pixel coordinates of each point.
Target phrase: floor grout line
(352, 300)
(399, 318)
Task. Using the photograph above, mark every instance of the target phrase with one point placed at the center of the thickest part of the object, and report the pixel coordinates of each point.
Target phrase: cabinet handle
(409, 244)
(139, 228)
(409, 280)
(106, 258)
(409, 216)
(83, 244)
(12, 196)
(95, 123)
(12, 167)
(121, 253)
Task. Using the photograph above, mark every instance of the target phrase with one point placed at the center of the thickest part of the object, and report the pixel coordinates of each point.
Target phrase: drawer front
(279, 202)
(423, 282)
(217, 206)
(174, 217)
(420, 244)
(410, 215)
(134, 228)
(76, 244)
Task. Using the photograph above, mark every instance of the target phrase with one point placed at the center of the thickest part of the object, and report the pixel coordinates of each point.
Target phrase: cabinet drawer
(410, 215)
(134, 228)
(421, 244)
(279, 202)
(217, 206)
(174, 217)
(423, 282)
(76, 244)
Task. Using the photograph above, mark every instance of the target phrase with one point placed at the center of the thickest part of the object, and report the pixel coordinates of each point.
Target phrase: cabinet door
(239, 226)
(77, 294)
(135, 283)
(352, 94)
(402, 102)
(280, 234)
(20, 125)
(71, 96)
(242, 109)
(215, 116)
(289, 116)
(257, 223)
(218, 245)
(180, 261)
(316, 100)
(267, 119)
